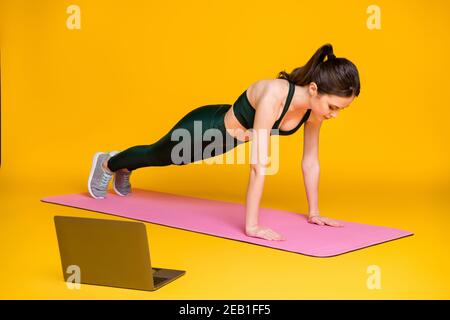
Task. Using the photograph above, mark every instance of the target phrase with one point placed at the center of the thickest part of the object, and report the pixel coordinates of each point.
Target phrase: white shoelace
(106, 177)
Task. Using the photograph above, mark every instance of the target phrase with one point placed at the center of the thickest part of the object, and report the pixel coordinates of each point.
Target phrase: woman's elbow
(258, 169)
(307, 164)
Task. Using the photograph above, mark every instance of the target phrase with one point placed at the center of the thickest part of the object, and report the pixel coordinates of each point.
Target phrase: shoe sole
(91, 174)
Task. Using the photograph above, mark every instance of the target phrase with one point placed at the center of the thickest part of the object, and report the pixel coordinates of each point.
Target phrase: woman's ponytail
(333, 76)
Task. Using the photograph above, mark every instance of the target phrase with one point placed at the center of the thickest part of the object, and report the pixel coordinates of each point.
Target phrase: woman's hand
(322, 221)
(261, 232)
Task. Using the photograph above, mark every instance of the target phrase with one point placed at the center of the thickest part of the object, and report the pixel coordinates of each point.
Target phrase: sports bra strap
(286, 105)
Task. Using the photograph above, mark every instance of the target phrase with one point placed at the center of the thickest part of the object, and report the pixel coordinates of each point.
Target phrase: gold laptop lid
(105, 252)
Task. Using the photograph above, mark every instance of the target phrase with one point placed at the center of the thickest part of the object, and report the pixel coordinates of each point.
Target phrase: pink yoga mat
(227, 220)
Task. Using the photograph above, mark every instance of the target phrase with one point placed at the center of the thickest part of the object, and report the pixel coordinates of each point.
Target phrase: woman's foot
(264, 233)
(99, 177)
(121, 184)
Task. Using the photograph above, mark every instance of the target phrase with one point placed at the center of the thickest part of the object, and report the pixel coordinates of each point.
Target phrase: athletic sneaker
(121, 184)
(99, 178)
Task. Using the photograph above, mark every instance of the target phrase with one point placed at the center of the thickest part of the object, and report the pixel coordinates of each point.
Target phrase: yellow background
(136, 67)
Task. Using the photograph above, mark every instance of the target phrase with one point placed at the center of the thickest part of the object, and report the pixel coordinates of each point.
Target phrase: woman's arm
(265, 116)
(311, 172)
(310, 163)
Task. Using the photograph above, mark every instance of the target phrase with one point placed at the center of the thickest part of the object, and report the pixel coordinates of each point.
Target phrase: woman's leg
(160, 152)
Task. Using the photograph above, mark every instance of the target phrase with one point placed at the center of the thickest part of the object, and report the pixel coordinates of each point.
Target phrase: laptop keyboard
(158, 280)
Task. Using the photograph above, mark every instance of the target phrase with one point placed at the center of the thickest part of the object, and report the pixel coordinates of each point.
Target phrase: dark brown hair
(336, 76)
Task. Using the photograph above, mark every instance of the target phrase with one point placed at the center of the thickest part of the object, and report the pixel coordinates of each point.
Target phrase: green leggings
(160, 152)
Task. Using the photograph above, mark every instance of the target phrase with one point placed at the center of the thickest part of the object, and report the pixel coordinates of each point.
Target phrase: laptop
(108, 253)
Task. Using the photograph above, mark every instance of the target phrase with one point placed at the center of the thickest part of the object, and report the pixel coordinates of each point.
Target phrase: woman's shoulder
(275, 87)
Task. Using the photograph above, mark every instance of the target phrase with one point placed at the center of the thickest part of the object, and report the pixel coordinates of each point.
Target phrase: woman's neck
(300, 100)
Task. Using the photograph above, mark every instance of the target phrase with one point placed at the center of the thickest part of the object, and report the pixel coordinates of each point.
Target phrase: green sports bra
(245, 113)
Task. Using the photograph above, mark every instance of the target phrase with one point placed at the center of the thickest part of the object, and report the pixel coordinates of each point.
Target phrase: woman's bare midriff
(289, 122)
(235, 128)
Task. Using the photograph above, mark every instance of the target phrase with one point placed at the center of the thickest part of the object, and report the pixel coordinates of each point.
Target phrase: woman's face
(327, 106)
